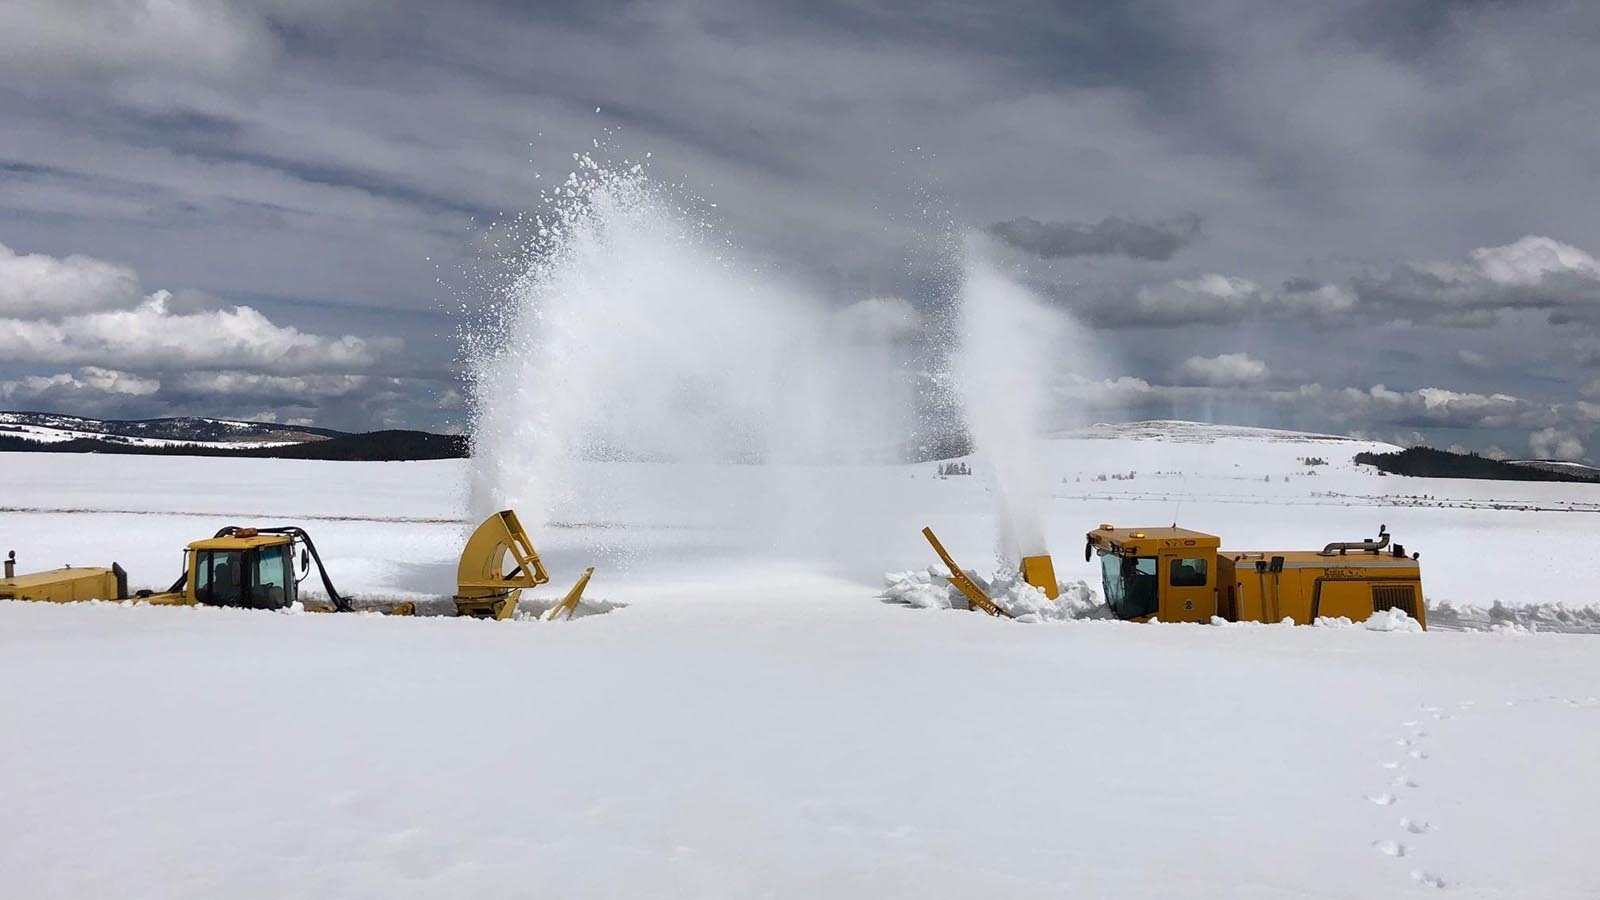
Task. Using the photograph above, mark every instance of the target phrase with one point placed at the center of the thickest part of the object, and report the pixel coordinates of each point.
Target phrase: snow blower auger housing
(255, 568)
(486, 590)
(1178, 575)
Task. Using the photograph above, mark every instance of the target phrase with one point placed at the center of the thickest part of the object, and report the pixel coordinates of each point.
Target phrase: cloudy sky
(1364, 217)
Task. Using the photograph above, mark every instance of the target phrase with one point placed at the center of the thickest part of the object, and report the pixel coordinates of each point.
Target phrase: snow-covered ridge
(1560, 466)
(48, 428)
(1181, 431)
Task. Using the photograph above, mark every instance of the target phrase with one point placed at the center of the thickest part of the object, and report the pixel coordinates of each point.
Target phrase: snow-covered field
(757, 722)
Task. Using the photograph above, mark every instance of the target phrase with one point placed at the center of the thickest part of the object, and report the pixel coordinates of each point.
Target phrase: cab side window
(271, 576)
(1188, 573)
(219, 578)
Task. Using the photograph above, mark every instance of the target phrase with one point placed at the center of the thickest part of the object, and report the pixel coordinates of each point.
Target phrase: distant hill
(1429, 463)
(1561, 466)
(389, 446)
(52, 428)
(47, 433)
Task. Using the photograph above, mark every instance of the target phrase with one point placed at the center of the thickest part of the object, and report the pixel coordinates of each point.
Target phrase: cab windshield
(1130, 583)
(255, 579)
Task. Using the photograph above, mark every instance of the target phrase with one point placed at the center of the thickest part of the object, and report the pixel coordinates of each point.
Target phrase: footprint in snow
(1404, 781)
(1390, 765)
(1390, 848)
(1417, 754)
(1384, 799)
(1414, 826)
(1428, 879)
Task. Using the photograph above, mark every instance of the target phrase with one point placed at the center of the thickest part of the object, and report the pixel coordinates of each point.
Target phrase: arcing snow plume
(636, 333)
(1010, 349)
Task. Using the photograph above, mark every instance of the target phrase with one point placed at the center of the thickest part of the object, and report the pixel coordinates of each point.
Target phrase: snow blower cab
(243, 568)
(1179, 575)
(261, 568)
(1168, 574)
(254, 568)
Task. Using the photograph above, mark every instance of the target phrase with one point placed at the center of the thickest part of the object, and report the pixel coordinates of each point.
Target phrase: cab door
(1188, 588)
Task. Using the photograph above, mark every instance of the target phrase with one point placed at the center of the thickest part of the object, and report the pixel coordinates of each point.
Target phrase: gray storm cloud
(1112, 236)
(244, 151)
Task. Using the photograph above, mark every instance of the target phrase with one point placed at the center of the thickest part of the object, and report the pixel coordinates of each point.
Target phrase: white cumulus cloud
(1226, 369)
(151, 338)
(1553, 443)
(91, 390)
(35, 284)
(1527, 261)
(286, 387)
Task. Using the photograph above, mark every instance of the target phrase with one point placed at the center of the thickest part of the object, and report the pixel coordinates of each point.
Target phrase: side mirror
(305, 561)
(1088, 551)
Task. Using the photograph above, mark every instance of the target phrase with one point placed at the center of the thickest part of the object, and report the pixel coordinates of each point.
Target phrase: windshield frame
(1132, 590)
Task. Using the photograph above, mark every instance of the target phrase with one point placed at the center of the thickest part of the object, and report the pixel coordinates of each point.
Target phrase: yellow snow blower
(254, 568)
(1178, 575)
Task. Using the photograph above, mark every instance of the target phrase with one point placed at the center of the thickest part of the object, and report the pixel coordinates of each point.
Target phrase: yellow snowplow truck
(255, 568)
(1178, 575)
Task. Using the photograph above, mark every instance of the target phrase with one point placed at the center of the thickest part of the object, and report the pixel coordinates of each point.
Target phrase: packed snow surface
(760, 720)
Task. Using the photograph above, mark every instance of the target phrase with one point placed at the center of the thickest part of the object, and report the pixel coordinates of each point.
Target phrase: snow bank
(1524, 619)
(1388, 620)
(930, 588)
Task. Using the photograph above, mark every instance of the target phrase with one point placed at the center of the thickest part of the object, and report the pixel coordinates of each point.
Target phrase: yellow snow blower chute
(485, 590)
(254, 568)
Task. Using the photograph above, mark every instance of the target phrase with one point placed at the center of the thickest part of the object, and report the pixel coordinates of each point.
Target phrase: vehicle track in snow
(310, 517)
(314, 517)
(1335, 499)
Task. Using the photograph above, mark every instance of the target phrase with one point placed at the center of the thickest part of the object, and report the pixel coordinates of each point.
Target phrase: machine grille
(1395, 596)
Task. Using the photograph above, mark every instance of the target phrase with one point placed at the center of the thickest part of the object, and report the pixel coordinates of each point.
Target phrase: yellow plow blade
(965, 584)
(569, 603)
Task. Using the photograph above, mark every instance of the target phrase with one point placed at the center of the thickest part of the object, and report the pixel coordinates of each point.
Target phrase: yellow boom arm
(966, 585)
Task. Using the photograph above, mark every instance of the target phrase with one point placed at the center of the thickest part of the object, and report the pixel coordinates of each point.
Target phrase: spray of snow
(1012, 346)
(635, 332)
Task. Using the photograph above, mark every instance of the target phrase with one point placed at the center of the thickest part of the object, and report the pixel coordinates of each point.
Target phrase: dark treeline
(1429, 463)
